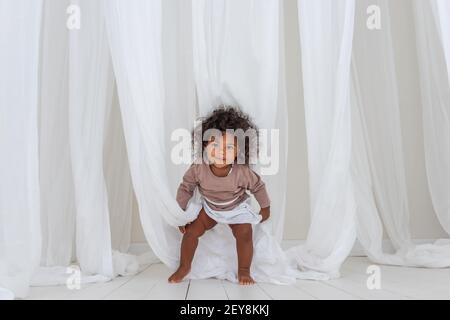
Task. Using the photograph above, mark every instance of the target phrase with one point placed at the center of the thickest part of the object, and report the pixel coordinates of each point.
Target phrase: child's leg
(189, 244)
(244, 245)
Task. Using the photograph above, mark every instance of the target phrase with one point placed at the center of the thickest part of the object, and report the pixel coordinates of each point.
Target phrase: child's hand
(265, 213)
(182, 229)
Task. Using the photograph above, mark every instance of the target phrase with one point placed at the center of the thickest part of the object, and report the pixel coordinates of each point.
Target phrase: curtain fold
(381, 196)
(134, 34)
(326, 34)
(55, 176)
(80, 128)
(432, 20)
(20, 237)
(90, 97)
(117, 179)
(180, 101)
(236, 55)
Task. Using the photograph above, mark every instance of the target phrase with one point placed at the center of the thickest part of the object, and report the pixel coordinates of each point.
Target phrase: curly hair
(225, 118)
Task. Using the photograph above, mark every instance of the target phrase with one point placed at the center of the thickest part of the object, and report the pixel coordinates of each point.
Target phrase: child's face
(222, 152)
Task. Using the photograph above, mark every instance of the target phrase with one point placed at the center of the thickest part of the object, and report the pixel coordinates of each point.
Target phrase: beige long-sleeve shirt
(222, 193)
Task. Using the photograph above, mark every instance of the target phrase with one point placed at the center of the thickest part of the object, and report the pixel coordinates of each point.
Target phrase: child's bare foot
(179, 275)
(244, 277)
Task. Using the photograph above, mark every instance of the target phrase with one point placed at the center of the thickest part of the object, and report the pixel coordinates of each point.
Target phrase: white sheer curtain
(90, 96)
(382, 195)
(326, 33)
(373, 178)
(237, 61)
(55, 176)
(118, 179)
(134, 33)
(236, 50)
(84, 176)
(20, 237)
(180, 101)
(378, 157)
(433, 46)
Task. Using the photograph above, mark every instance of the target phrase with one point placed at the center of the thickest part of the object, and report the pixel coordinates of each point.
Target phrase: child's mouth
(220, 161)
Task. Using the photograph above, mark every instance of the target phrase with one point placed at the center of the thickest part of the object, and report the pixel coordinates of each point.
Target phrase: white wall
(424, 223)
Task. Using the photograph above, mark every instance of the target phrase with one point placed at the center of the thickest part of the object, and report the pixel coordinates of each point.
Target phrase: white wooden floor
(396, 283)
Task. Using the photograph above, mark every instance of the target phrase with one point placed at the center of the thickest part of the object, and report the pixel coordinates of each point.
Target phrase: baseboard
(357, 251)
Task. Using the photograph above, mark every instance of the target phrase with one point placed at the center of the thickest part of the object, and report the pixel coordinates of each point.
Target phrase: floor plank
(249, 292)
(48, 293)
(413, 283)
(356, 284)
(322, 291)
(211, 288)
(138, 287)
(163, 290)
(85, 292)
(98, 291)
(278, 292)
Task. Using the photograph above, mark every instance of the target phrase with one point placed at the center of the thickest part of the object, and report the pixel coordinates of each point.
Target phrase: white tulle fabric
(69, 187)
(433, 46)
(377, 158)
(20, 237)
(326, 33)
(237, 61)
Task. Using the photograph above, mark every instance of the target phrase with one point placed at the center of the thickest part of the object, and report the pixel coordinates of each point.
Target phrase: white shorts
(243, 213)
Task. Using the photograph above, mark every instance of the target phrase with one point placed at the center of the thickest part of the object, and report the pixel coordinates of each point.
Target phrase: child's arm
(258, 188)
(187, 186)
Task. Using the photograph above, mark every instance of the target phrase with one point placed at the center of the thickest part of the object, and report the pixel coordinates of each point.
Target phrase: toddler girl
(223, 177)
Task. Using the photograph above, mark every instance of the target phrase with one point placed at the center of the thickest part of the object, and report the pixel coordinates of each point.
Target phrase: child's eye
(230, 147)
